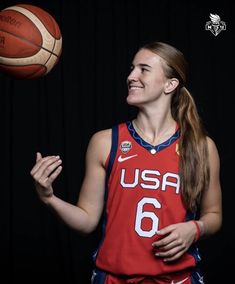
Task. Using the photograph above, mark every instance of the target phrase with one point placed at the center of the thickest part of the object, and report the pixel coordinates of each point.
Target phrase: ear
(171, 85)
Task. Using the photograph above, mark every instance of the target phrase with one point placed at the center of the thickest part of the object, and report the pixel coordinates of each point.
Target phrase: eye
(143, 70)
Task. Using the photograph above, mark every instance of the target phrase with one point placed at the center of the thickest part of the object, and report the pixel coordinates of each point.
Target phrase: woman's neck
(154, 128)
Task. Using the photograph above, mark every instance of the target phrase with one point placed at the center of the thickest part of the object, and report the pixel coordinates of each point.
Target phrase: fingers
(165, 241)
(42, 162)
(166, 230)
(173, 243)
(166, 236)
(169, 248)
(169, 245)
(172, 254)
(38, 156)
(46, 168)
(54, 175)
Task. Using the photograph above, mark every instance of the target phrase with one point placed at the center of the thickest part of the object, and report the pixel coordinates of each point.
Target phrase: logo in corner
(215, 25)
(125, 146)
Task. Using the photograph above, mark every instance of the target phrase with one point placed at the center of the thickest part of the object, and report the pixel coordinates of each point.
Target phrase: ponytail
(194, 165)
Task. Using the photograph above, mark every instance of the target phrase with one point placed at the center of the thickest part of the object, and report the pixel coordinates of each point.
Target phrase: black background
(86, 92)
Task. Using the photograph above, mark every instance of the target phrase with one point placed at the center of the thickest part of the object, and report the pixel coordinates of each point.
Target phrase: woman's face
(147, 81)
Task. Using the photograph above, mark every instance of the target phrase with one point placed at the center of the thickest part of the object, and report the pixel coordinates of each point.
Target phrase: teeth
(135, 87)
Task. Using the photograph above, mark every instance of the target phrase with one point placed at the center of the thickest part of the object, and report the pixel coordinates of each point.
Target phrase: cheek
(156, 84)
(156, 88)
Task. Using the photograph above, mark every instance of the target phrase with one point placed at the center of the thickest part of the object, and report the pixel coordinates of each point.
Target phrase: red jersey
(142, 197)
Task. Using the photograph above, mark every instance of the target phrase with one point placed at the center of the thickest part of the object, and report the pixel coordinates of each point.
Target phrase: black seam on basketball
(33, 44)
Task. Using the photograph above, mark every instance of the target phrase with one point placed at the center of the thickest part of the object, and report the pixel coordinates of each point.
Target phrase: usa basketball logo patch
(125, 146)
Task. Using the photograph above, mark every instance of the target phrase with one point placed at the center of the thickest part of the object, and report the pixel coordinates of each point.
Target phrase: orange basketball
(30, 41)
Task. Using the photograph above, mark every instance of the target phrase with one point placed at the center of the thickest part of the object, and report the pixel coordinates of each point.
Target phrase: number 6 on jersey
(141, 214)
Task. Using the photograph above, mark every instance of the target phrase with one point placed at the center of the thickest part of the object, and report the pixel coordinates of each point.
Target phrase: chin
(132, 101)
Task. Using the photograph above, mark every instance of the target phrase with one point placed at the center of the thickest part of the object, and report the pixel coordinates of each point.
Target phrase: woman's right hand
(44, 172)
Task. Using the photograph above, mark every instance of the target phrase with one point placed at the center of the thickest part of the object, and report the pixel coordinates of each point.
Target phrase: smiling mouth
(135, 87)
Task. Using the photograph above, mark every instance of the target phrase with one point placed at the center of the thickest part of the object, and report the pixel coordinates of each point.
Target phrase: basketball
(30, 41)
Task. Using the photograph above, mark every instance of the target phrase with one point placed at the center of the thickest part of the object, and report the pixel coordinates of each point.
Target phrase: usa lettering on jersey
(149, 179)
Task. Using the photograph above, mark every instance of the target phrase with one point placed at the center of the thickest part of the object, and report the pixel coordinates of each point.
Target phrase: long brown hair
(194, 165)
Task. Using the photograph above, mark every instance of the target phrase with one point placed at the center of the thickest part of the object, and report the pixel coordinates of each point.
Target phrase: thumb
(38, 156)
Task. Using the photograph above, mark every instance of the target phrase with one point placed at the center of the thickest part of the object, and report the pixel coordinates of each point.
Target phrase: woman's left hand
(174, 240)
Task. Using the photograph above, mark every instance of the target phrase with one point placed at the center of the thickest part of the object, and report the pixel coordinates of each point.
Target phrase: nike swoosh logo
(122, 159)
(179, 282)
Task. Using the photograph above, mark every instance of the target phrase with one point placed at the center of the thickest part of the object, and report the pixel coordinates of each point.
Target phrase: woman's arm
(84, 216)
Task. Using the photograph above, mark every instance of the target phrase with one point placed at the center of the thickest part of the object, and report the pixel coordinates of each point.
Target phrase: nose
(133, 76)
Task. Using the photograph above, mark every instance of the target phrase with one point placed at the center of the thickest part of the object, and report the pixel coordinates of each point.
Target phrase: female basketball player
(156, 179)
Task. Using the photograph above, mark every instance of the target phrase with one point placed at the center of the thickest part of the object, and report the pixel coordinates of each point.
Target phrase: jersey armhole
(111, 157)
(107, 161)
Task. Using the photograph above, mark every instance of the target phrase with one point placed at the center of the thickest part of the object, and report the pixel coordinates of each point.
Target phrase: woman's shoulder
(102, 138)
(212, 150)
(211, 144)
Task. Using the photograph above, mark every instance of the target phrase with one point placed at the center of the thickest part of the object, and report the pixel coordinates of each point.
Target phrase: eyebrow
(142, 65)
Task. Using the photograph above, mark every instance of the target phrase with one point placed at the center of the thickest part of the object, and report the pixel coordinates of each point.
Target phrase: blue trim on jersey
(112, 156)
(113, 150)
(98, 276)
(193, 250)
(148, 146)
(196, 277)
